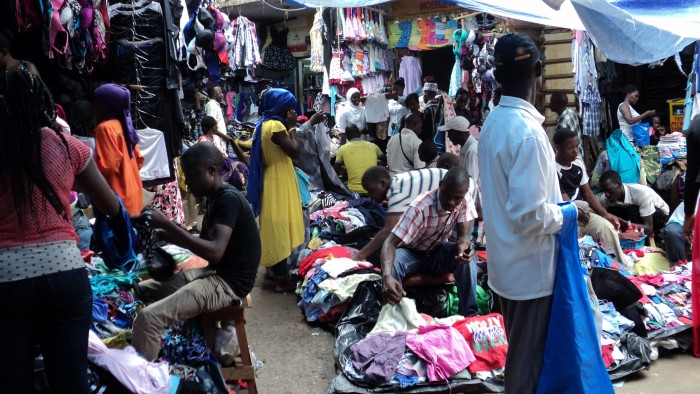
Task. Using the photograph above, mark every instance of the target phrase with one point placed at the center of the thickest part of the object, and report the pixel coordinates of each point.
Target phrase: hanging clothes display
(277, 56)
(410, 70)
(586, 82)
(316, 35)
(243, 49)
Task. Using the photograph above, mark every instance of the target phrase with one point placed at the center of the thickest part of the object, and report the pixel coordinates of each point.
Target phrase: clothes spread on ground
(486, 337)
(442, 348)
(377, 357)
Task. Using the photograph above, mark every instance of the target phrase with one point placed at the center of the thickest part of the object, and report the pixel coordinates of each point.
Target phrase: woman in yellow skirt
(273, 189)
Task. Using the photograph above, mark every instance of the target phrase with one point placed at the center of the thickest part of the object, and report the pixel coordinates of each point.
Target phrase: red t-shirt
(486, 336)
(59, 170)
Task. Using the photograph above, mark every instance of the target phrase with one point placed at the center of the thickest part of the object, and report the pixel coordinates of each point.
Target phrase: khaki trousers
(186, 295)
(602, 231)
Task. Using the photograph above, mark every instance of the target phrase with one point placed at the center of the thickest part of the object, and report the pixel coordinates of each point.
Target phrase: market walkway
(298, 358)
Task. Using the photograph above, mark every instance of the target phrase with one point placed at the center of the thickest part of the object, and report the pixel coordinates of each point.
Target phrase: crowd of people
(507, 174)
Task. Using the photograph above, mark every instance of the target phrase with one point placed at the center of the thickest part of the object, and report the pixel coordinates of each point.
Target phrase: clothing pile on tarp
(418, 353)
(639, 311)
(345, 222)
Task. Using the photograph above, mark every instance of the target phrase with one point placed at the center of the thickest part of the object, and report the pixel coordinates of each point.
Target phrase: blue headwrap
(274, 102)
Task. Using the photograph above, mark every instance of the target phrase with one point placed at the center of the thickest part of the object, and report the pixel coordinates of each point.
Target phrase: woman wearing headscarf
(116, 145)
(273, 190)
(352, 113)
(45, 294)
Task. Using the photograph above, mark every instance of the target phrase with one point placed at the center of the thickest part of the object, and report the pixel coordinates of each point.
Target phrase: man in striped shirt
(399, 191)
(419, 241)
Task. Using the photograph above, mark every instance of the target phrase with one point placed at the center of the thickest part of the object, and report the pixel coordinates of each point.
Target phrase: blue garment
(311, 310)
(622, 157)
(572, 359)
(118, 240)
(99, 310)
(304, 183)
(274, 102)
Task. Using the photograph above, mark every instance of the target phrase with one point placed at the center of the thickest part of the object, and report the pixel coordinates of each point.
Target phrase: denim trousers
(53, 311)
(440, 260)
(675, 242)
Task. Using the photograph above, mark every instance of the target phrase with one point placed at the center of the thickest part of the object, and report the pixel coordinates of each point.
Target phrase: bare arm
(212, 251)
(392, 289)
(463, 242)
(597, 207)
(91, 182)
(627, 114)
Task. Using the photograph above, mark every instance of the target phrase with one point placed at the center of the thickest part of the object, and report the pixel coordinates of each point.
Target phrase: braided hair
(26, 108)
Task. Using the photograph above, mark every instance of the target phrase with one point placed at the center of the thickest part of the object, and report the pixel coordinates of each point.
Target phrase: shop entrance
(438, 63)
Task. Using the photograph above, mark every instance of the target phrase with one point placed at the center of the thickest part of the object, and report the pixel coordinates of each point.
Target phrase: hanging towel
(622, 157)
(573, 362)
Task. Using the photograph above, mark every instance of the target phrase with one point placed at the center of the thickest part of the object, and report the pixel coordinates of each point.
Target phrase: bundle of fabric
(671, 147)
(338, 219)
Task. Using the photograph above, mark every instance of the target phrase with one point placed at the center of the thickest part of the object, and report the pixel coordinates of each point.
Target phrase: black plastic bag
(211, 381)
(358, 320)
(637, 354)
(611, 285)
(431, 300)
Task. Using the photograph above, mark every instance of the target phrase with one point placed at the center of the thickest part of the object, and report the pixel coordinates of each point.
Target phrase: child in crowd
(427, 151)
(659, 130)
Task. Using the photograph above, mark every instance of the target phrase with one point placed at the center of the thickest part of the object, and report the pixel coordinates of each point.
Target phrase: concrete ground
(298, 358)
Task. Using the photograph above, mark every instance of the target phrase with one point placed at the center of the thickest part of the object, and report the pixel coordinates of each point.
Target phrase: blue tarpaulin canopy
(626, 31)
(640, 31)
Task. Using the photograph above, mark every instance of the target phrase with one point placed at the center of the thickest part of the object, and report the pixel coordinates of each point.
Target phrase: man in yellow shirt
(356, 156)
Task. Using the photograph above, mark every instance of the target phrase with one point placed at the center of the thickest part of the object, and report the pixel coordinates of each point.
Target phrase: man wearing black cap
(520, 192)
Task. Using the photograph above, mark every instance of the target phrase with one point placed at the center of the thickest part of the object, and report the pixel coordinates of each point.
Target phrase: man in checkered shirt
(419, 241)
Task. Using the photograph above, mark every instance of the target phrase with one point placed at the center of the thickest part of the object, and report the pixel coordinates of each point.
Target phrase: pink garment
(333, 212)
(134, 372)
(444, 350)
(230, 113)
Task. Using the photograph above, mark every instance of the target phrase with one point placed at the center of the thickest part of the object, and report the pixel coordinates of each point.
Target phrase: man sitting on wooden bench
(230, 242)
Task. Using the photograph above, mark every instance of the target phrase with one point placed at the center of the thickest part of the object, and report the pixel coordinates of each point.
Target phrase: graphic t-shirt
(486, 336)
(572, 177)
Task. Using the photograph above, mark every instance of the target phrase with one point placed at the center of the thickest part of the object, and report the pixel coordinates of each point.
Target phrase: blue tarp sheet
(640, 31)
(626, 31)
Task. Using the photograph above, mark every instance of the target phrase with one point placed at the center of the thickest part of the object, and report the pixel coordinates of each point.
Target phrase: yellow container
(676, 110)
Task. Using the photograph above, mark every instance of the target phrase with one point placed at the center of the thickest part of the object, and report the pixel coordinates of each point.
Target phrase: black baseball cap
(515, 49)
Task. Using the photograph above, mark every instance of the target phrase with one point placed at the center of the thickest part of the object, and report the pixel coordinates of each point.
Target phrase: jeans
(440, 260)
(53, 311)
(675, 242)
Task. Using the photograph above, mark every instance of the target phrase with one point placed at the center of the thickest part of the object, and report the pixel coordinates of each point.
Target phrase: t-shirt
(572, 177)
(155, 154)
(402, 152)
(213, 108)
(60, 168)
(376, 108)
(358, 156)
(239, 265)
(642, 196)
(486, 336)
(407, 186)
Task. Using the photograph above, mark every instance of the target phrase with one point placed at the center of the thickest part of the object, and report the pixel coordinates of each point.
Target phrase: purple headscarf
(117, 103)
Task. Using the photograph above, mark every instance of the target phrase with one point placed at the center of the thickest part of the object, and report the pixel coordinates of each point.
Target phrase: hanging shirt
(376, 108)
(520, 190)
(155, 154)
(571, 178)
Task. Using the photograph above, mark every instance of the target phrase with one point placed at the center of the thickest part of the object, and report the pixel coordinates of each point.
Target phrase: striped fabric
(405, 187)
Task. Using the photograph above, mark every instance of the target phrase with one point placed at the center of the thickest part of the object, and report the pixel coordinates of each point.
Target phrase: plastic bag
(358, 320)
(431, 300)
(572, 359)
(637, 354)
(226, 345)
(640, 133)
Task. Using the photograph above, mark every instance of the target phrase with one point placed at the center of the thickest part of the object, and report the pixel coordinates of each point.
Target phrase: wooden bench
(236, 314)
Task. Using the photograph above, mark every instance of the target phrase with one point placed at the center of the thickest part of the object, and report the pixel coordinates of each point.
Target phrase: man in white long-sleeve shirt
(520, 190)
